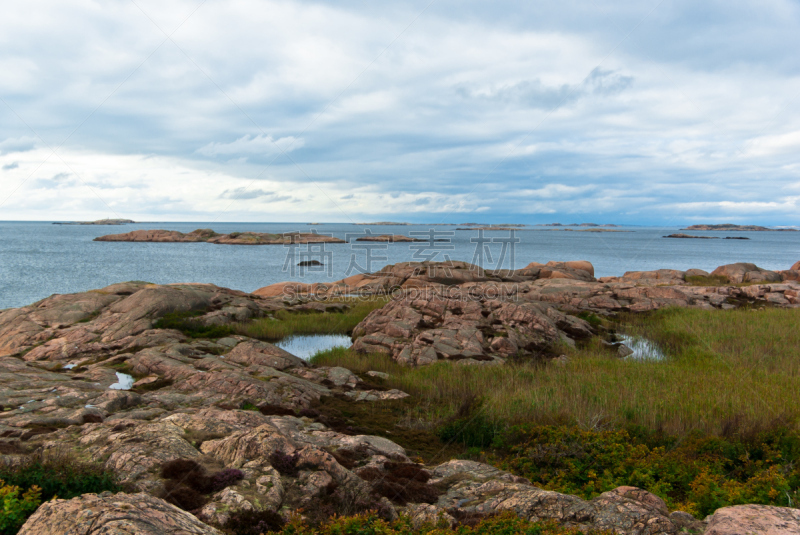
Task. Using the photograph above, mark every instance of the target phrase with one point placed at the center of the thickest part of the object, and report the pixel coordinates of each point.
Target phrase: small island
(705, 237)
(386, 223)
(209, 236)
(98, 222)
(741, 228)
(390, 238)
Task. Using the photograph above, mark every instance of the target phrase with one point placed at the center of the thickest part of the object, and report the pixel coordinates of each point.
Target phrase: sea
(38, 259)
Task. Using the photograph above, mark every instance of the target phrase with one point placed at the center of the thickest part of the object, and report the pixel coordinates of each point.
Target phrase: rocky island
(390, 238)
(689, 236)
(209, 236)
(98, 222)
(731, 227)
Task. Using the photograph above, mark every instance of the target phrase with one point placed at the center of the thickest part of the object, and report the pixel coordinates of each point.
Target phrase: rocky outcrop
(744, 272)
(417, 331)
(795, 266)
(471, 487)
(113, 514)
(209, 236)
(761, 519)
(242, 404)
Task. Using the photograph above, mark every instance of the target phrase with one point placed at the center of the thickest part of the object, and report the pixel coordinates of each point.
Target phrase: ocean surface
(38, 259)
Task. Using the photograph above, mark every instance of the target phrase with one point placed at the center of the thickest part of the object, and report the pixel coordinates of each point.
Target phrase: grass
(714, 424)
(287, 323)
(187, 323)
(724, 366)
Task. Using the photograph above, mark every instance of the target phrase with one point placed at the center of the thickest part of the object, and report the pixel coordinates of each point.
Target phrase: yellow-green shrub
(16, 506)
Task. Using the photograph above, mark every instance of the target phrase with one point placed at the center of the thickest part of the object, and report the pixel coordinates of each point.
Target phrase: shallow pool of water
(643, 349)
(305, 346)
(124, 382)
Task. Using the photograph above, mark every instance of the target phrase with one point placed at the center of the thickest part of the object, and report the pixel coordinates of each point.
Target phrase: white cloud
(263, 145)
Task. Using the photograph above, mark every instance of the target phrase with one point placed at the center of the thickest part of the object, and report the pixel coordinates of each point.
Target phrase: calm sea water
(38, 259)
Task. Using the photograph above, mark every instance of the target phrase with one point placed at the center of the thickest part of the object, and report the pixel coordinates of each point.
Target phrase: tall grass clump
(286, 323)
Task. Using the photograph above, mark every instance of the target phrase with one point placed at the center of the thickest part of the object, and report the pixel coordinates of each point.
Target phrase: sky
(650, 112)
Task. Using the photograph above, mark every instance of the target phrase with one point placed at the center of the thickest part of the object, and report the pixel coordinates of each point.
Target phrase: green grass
(187, 323)
(287, 323)
(724, 366)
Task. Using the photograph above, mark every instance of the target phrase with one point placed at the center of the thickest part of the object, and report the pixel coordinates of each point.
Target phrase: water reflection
(643, 349)
(305, 346)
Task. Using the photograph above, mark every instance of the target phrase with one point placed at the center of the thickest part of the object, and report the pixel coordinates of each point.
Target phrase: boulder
(666, 275)
(746, 272)
(795, 266)
(747, 519)
(113, 514)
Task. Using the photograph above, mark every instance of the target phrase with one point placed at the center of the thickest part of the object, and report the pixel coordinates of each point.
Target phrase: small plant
(275, 410)
(188, 483)
(284, 463)
(225, 478)
(16, 506)
(188, 324)
(402, 483)
(253, 522)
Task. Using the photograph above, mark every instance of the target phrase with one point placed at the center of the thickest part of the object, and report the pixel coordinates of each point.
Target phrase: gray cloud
(10, 166)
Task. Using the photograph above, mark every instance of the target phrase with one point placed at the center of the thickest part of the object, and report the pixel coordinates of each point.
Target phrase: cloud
(263, 145)
(616, 110)
(21, 144)
(535, 94)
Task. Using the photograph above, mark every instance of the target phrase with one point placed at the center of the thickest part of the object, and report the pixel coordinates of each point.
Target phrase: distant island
(741, 228)
(574, 225)
(385, 223)
(209, 236)
(705, 237)
(390, 238)
(495, 225)
(98, 222)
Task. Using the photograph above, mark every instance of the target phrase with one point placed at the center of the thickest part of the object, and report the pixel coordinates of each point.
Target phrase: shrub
(16, 507)
(284, 463)
(275, 410)
(371, 523)
(225, 478)
(696, 473)
(253, 522)
(183, 496)
(401, 483)
(59, 475)
(187, 483)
